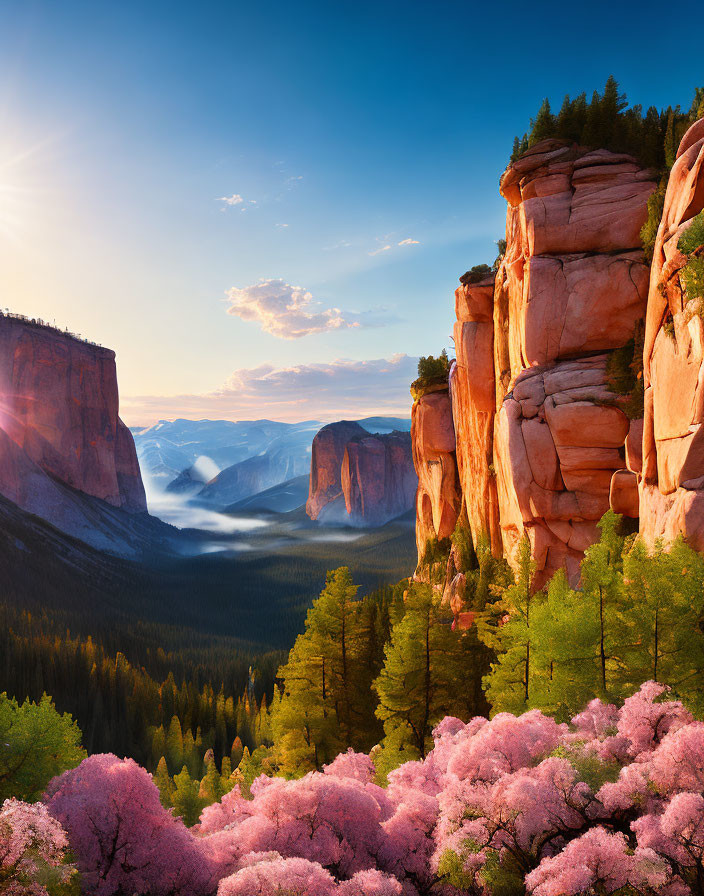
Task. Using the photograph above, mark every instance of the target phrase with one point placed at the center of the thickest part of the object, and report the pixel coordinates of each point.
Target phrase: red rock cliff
(439, 496)
(360, 478)
(535, 429)
(59, 415)
(472, 389)
(572, 286)
(672, 485)
(378, 479)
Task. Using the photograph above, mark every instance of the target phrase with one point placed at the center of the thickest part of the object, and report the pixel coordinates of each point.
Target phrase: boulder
(623, 493)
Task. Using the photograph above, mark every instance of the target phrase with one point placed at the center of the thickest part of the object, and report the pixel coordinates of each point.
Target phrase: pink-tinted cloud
(327, 391)
(289, 312)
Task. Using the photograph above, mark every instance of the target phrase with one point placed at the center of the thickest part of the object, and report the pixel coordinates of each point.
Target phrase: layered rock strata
(672, 481)
(59, 421)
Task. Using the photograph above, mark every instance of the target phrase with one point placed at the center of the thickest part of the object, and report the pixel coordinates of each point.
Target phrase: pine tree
(163, 781)
(186, 798)
(174, 744)
(236, 752)
(323, 708)
(508, 685)
(665, 592)
(670, 144)
(418, 685)
(544, 123)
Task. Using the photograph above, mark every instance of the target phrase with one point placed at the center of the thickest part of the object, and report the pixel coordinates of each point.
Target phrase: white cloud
(380, 250)
(409, 242)
(340, 389)
(235, 199)
(281, 226)
(289, 312)
(340, 244)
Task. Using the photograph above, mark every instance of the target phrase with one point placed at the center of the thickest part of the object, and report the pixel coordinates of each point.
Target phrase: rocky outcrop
(59, 422)
(558, 440)
(672, 481)
(536, 427)
(360, 478)
(326, 465)
(472, 389)
(378, 479)
(572, 287)
(438, 499)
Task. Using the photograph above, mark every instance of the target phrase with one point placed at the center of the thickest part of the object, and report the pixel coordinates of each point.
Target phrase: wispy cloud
(235, 199)
(380, 250)
(340, 244)
(340, 389)
(281, 226)
(289, 312)
(409, 242)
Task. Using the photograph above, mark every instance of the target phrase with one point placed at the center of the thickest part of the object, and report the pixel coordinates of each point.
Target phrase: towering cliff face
(672, 485)
(572, 285)
(59, 422)
(378, 479)
(472, 389)
(326, 465)
(360, 478)
(539, 431)
(438, 499)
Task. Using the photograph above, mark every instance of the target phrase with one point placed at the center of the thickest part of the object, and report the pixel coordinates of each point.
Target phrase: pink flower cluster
(615, 800)
(32, 846)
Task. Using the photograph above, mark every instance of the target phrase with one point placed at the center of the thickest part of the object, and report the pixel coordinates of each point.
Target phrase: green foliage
(693, 237)
(624, 373)
(186, 800)
(501, 246)
(475, 275)
(502, 875)
(124, 655)
(606, 122)
(692, 278)
(691, 244)
(435, 551)
(417, 686)
(589, 767)
(649, 230)
(462, 545)
(431, 368)
(36, 743)
(431, 372)
(508, 633)
(451, 870)
(638, 616)
(326, 703)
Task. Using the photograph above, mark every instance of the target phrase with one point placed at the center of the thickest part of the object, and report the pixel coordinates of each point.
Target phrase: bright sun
(15, 190)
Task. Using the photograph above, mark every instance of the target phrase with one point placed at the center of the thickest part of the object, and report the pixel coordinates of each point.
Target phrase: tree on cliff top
(608, 123)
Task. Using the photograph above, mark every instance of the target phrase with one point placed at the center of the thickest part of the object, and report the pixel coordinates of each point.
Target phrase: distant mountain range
(220, 463)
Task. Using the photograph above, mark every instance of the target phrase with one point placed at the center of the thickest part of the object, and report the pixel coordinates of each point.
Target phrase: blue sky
(336, 130)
